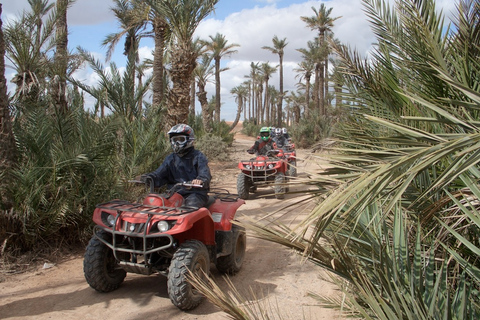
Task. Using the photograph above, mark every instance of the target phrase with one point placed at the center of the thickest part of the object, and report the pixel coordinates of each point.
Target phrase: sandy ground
(275, 274)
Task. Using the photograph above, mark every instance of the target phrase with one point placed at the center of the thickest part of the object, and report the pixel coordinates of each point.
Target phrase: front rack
(124, 206)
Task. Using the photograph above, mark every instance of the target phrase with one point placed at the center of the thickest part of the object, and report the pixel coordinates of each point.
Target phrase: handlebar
(150, 183)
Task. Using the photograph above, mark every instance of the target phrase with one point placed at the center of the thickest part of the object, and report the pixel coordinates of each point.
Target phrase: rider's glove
(250, 151)
(144, 178)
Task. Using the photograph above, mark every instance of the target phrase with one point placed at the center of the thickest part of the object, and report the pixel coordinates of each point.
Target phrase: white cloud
(254, 28)
(82, 12)
(250, 28)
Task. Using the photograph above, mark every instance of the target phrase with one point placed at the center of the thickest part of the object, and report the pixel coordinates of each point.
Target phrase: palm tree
(142, 13)
(30, 58)
(219, 49)
(160, 28)
(278, 48)
(312, 55)
(182, 17)
(114, 90)
(59, 83)
(133, 27)
(305, 70)
(266, 71)
(399, 226)
(253, 76)
(200, 50)
(322, 22)
(40, 8)
(241, 94)
(202, 73)
(8, 151)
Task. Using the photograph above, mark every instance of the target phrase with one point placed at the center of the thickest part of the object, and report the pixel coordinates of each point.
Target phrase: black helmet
(181, 138)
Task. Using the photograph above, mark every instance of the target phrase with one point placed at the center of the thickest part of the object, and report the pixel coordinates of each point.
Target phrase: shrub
(251, 128)
(312, 130)
(213, 147)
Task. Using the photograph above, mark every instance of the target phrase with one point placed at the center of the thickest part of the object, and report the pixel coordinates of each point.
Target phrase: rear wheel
(280, 186)
(192, 255)
(232, 263)
(100, 267)
(243, 185)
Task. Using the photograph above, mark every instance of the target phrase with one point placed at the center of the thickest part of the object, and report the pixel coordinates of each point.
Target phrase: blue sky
(249, 23)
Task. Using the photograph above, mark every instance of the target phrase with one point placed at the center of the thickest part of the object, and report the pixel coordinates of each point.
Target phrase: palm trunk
(280, 100)
(317, 86)
(192, 98)
(239, 112)
(158, 72)
(183, 64)
(326, 84)
(266, 105)
(202, 98)
(8, 150)
(307, 94)
(61, 57)
(217, 89)
(321, 90)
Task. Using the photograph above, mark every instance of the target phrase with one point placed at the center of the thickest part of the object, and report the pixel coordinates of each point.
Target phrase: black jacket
(175, 169)
(261, 147)
(280, 141)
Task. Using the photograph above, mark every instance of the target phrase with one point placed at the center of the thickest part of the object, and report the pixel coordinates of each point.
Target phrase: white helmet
(181, 138)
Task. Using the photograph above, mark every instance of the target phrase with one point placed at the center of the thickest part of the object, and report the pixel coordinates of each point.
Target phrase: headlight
(111, 220)
(163, 226)
(270, 166)
(108, 219)
(248, 166)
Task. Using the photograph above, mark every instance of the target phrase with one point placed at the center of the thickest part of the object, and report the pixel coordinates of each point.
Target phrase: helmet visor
(178, 139)
(264, 134)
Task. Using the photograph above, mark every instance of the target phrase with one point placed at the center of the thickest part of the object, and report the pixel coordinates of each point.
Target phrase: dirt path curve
(271, 271)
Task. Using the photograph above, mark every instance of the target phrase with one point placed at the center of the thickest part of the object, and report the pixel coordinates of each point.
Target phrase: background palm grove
(396, 219)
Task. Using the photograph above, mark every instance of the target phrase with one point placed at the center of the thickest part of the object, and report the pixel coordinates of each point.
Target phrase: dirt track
(271, 271)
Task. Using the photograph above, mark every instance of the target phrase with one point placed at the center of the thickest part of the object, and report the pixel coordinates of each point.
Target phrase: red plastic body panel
(176, 200)
(189, 223)
(223, 212)
(279, 165)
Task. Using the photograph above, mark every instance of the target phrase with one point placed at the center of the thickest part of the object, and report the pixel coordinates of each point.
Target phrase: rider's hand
(143, 178)
(250, 151)
(197, 181)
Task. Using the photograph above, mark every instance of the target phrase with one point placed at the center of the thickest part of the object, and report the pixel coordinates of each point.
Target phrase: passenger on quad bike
(280, 139)
(263, 144)
(184, 164)
(286, 135)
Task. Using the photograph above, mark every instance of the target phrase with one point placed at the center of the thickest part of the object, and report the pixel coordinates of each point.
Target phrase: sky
(249, 23)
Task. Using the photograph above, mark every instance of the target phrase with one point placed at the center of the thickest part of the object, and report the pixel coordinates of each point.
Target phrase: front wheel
(243, 186)
(280, 186)
(100, 267)
(232, 263)
(192, 255)
(292, 169)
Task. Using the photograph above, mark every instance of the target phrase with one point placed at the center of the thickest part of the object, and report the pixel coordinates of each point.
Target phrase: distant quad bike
(161, 236)
(262, 171)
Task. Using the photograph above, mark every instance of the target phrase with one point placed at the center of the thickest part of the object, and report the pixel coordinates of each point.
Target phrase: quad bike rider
(284, 143)
(263, 170)
(165, 233)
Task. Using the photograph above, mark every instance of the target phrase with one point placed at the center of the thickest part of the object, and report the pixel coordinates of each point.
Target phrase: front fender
(196, 225)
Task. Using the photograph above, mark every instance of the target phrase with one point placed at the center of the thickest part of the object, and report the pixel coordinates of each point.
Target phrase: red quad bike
(161, 236)
(262, 171)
